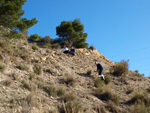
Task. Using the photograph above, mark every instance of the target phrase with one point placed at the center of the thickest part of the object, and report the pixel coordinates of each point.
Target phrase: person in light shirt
(65, 50)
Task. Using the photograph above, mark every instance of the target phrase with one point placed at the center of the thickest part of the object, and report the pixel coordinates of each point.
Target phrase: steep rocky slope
(39, 80)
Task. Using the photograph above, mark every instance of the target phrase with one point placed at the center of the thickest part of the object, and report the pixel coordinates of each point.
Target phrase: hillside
(40, 80)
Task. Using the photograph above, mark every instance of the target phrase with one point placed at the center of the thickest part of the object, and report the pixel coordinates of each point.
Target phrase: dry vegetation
(41, 80)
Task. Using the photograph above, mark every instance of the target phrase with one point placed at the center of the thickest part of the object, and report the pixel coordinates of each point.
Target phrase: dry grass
(105, 94)
(120, 68)
(69, 97)
(72, 107)
(69, 80)
(38, 69)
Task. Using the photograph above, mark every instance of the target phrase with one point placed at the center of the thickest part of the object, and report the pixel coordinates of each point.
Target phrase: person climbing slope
(99, 70)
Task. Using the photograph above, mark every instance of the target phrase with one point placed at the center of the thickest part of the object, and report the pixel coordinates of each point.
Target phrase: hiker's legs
(100, 71)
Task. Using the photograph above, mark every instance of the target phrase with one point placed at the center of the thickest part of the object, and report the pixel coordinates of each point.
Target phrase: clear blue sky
(119, 29)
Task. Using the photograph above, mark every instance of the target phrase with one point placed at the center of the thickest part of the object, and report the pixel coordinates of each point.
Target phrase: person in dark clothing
(72, 51)
(99, 70)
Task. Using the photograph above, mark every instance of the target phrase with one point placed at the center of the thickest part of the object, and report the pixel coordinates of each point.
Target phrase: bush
(35, 37)
(129, 90)
(89, 72)
(2, 66)
(99, 83)
(92, 47)
(23, 67)
(120, 68)
(112, 108)
(72, 107)
(140, 96)
(105, 94)
(38, 69)
(140, 107)
(108, 79)
(69, 79)
(69, 97)
(34, 47)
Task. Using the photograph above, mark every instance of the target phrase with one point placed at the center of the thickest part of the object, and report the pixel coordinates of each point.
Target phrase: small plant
(23, 67)
(7, 82)
(38, 69)
(89, 72)
(73, 107)
(112, 107)
(140, 96)
(120, 68)
(35, 37)
(105, 94)
(108, 79)
(69, 79)
(140, 107)
(92, 47)
(31, 76)
(129, 90)
(26, 85)
(34, 47)
(99, 83)
(69, 97)
(2, 66)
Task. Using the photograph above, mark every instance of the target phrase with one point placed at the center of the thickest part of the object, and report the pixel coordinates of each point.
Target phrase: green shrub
(92, 47)
(38, 69)
(120, 68)
(34, 47)
(35, 37)
(89, 72)
(108, 79)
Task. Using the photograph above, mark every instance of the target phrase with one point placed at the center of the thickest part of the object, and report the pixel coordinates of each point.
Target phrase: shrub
(129, 90)
(23, 67)
(69, 79)
(73, 107)
(34, 47)
(99, 83)
(69, 97)
(38, 69)
(140, 107)
(35, 37)
(140, 96)
(112, 108)
(56, 46)
(2, 66)
(120, 68)
(92, 47)
(26, 85)
(89, 72)
(108, 79)
(105, 94)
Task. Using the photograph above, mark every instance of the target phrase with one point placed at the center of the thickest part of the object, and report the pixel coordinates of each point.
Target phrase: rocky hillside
(40, 80)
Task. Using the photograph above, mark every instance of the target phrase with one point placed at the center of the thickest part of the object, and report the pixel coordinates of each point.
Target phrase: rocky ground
(40, 80)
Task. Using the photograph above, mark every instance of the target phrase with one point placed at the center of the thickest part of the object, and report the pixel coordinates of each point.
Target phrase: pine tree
(72, 32)
(11, 15)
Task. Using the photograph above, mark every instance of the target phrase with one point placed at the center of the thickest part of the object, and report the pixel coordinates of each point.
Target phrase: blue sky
(119, 29)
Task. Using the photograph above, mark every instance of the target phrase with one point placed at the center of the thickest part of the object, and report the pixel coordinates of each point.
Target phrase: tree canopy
(11, 15)
(71, 32)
